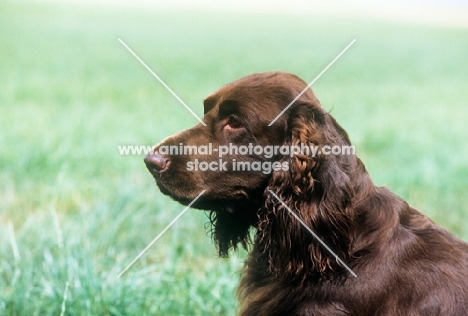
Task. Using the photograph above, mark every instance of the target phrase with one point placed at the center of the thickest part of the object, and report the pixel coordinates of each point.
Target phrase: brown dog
(405, 264)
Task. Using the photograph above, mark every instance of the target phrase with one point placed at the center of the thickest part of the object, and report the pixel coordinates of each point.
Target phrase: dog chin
(205, 201)
(184, 199)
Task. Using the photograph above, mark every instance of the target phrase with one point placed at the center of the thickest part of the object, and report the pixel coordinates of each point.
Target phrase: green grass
(73, 210)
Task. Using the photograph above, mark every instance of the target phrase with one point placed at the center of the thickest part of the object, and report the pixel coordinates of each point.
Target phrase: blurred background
(74, 212)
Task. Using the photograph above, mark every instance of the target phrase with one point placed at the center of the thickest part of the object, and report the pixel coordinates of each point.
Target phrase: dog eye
(232, 123)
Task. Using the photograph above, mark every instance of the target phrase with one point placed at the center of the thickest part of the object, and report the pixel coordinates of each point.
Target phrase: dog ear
(316, 188)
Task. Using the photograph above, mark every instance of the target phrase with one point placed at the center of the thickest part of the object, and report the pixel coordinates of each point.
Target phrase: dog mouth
(207, 201)
(239, 194)
(186, 187)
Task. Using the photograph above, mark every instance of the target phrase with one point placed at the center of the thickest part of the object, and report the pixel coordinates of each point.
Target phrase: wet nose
(157, 163)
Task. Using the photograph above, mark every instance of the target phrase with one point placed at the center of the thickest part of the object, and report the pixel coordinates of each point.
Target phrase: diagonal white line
(315, 235)
(160, 234)
(162, 82)
(313, 81)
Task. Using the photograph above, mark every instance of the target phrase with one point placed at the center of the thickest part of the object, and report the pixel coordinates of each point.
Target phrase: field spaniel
(372, 254)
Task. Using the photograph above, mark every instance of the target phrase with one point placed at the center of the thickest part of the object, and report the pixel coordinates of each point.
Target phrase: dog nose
(157, 163)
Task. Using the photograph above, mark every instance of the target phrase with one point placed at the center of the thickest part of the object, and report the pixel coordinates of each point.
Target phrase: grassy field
(74, 213)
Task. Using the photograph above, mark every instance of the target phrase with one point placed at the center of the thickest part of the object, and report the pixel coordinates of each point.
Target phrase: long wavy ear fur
(318, 189)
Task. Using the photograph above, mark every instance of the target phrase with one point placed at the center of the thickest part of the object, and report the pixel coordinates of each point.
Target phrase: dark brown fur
(405, 263)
